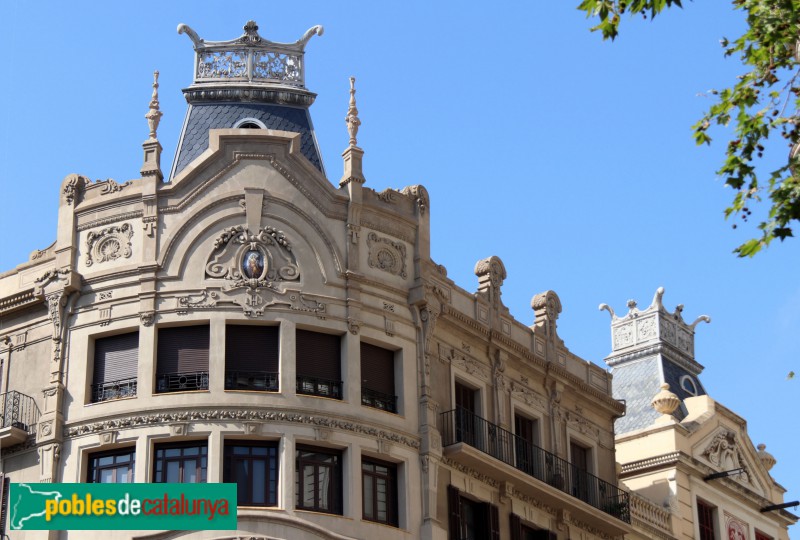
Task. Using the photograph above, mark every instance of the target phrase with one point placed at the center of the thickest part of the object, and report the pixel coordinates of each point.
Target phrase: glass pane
(259, 482)
(241, 450)
(191, 451)
(107, 460)
(106, 476)
(190, 471)
(173, 473)
(308, 487)
(260, 451)
(123, 475)
(382, 506)
(369, 498)
(324, 487)
(172, 452)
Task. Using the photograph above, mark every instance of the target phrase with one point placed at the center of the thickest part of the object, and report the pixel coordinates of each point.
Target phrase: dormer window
(249, 123)
(688, 385)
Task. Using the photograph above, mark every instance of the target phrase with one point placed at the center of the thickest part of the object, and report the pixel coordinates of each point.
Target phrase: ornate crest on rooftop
(249, 60)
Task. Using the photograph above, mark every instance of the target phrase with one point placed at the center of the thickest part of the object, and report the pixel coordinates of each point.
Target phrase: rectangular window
(253, 466)
(521, 531)
(251, 357)
(318, 480)
(379, 491)
(116, 363)
(114, 467)
(529, 456)
(184, 463)
(468, 424)
(377, 378)
(761, 536)
(579, 472)
(182, 359)
(471, 520)
(705, 517)
(319, 365)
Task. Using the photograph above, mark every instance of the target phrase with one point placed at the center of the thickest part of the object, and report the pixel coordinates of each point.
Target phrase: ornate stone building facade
(691, 468)
(246, 320)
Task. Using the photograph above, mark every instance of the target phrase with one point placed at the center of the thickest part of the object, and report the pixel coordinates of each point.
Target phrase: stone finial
(491, 272)
(767, 459)
(352, 119)
(665, 402)
(154, 114)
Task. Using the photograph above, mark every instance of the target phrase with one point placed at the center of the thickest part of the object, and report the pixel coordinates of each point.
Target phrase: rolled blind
(318, 355)
(116, 358)
(252, 348)
(183, 349)
(377, 368)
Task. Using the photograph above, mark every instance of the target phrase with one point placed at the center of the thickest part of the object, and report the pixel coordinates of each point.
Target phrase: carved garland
(109, 244)
(240, 415)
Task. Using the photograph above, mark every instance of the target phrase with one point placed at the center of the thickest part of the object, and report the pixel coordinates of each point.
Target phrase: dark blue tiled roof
(639, 381)
(206, 116)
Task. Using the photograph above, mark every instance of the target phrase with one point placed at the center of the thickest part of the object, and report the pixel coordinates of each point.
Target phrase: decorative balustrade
(462, 426)
(250, 58)
(648, 512)
(18, 410)
(182, 382)
(314, 386)
(378, 400)
(114, 390)
(260, 381)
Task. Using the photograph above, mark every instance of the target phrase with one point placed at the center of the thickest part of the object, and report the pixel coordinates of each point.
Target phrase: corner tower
(247, 82)
(649, 348)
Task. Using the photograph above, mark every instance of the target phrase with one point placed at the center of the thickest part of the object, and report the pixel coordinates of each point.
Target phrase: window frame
(181, 379)
(326, 380)
(392, 513)
(456, 501)
(200, 470)
(706, 520)
(271, 470)
(239, 374)
(114, 388)
(94, 471)
(318, 462)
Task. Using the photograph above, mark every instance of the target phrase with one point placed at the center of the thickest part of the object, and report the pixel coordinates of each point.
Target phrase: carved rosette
(387, 255)
(109, 244)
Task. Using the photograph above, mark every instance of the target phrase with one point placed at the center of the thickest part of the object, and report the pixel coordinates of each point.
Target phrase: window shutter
(252, 348)
(516, 526)
(6, 484)
(377, 368)
(116, 358)
(454, 508)
(182, 349)
(494, 522)
(318, 355)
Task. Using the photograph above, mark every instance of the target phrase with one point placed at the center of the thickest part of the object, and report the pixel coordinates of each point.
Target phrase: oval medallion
(253, 264)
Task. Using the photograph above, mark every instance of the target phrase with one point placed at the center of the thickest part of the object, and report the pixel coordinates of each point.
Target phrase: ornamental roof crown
(643, 328)
(250, 59)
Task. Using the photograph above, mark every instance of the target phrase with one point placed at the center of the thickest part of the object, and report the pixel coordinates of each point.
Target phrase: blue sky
(569, 158)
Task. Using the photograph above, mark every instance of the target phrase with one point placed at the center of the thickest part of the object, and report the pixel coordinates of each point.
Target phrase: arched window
(249, 123)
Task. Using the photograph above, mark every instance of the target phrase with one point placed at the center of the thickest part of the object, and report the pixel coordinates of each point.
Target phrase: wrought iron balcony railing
(263, 381)
(313, 386)
(114, 390)
(378, 400)
(182, 382)
(462, 426)
(18, 410)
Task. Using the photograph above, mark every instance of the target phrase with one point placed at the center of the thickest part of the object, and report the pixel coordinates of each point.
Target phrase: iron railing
(114, 390)
(263, 381)
(460, 425)
(182, 382)
(18, 410)
(378, 400)
(313, 386)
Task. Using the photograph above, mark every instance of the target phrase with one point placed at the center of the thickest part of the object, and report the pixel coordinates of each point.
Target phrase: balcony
(378, 400)
(257, 381)
(313, 386)
(181, 382)
(106, 391)
(18, 417)
(546, 476)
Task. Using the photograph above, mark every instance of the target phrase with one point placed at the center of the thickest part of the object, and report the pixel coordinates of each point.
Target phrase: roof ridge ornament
(154, 114)
(352, 120)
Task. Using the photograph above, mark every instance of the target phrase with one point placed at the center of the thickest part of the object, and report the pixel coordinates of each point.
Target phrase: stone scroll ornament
(252, 260)
(387, 255)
